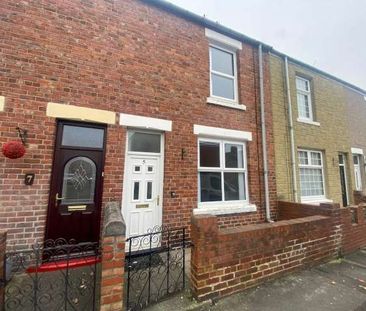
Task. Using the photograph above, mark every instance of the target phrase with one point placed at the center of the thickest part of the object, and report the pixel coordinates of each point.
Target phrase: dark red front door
(76, 184)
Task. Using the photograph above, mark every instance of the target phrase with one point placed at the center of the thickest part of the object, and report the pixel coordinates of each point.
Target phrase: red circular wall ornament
(13, 150)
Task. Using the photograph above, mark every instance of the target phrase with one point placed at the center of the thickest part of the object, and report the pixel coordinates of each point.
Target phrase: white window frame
(223, 207)
(218, 73)
(229, 45)
(310, 101)
(357, 172)
(313, 198)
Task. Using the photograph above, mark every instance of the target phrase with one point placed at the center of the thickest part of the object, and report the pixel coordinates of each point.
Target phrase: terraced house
(318, 134)
(133, 129)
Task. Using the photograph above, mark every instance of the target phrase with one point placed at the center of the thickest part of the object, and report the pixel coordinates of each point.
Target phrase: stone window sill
(222, 102)
(308, 122)
(224, 209)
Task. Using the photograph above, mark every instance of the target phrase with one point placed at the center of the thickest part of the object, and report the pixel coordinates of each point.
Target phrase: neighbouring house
(356, 103)
(135, 102)
(317, 147)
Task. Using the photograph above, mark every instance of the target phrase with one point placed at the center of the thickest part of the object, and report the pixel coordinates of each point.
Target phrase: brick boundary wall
(352, 234)
(2, 267)
(225, 261)
(113, 258)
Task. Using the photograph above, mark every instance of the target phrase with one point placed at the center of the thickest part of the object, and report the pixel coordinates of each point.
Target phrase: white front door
(142, 191)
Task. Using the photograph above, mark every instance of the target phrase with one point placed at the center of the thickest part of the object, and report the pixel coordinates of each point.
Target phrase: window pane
(210, 187)
(340, 159)
(222, 61)
(144, 142)
(303, 105)
(79, 181)
(303, 157)
(136, 190)
(355, 159)
(79, 136)
(209, 154)
(149, 190)
(316, 158)
(223, 87)
(234, 156)
(311, 182)
(234, 186)
(302, 84)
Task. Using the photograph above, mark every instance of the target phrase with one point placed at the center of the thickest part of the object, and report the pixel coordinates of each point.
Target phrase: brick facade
(331, 137)
(120, 56)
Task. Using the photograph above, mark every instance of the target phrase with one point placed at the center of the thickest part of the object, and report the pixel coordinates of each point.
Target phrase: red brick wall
(225, 261)
(122, 56)
(353, 234)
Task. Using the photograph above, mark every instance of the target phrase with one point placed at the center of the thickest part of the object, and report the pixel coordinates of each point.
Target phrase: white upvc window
(223, 74)
(222, 173)
(311, 175)
(357, 171)
(304, 101)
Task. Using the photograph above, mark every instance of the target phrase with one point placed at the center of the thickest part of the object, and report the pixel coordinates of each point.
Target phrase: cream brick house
(317, 142)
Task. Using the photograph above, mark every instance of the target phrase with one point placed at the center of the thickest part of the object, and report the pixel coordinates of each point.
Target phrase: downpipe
(264, 135)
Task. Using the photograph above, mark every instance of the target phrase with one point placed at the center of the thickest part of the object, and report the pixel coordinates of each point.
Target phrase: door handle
(57, 199)
(158, 200)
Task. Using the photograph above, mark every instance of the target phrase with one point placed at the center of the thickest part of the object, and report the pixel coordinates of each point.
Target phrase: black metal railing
(155, 265)
(57, 275)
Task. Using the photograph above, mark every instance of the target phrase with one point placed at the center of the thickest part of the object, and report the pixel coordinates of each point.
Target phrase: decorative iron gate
(155, 266)
(58, 275)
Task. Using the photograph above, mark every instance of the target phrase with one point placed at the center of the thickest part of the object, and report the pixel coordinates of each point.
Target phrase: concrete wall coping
(114, 224)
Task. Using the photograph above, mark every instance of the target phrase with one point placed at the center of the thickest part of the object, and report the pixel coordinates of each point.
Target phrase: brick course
(121, 56)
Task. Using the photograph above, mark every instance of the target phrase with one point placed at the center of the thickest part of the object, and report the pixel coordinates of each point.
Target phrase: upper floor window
(223, 70)
(304, 102)
(223, 73)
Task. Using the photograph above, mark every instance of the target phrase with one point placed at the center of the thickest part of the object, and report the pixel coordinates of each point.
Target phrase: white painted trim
(2, 103)
(222, 39)
(145, 122)
(357, 151)
(225, 209)
(221, 102)
(221, 132)
(308, 121)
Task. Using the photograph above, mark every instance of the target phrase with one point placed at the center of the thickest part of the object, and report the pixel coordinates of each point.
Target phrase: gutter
(264, 134)
(291, 129)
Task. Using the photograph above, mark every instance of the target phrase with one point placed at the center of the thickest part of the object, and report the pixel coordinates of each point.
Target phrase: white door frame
(126, 175)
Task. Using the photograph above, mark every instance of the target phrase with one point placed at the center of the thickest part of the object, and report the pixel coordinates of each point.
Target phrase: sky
(327, 34)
